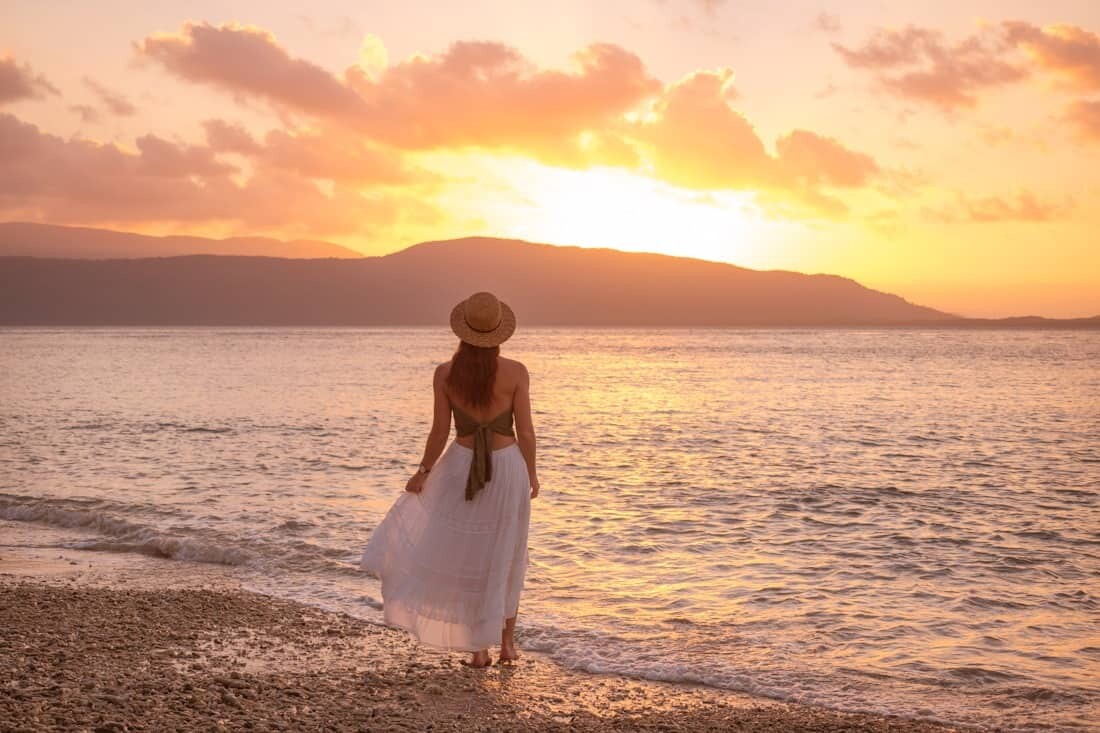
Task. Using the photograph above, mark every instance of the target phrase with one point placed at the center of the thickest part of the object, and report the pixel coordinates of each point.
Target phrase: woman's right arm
(525, 428)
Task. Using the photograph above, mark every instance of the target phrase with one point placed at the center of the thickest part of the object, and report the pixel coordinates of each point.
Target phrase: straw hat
(482, 320)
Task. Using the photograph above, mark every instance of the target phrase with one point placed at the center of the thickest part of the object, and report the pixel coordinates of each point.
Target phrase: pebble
(100, 659)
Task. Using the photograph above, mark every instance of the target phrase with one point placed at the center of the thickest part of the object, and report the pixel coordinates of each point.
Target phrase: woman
(452, 551)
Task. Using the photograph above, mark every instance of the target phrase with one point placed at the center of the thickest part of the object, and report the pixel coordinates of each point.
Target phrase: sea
(891, 521)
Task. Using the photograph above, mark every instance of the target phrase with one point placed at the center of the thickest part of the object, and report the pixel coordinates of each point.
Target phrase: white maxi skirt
(452, 570)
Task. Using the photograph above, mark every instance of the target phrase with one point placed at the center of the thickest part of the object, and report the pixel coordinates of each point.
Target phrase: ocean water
(893, 521)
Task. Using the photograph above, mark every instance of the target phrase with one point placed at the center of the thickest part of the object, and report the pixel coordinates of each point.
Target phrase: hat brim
(496, 337)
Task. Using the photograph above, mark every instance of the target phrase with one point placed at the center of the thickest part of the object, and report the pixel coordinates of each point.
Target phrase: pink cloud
(248, 61)
(115, 102)
(162, 158)
(44, 177)
(330, 154)
(916, 63)
(20, 82)
(223, 136)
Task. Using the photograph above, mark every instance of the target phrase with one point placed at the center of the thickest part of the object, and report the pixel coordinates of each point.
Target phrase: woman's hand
(534, 487)
(416, 483)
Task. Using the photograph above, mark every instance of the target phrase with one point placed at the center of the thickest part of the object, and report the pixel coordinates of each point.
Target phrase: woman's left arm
(437, 436)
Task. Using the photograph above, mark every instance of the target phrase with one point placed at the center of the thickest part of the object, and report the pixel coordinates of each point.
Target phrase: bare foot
(479, 659)
(508, 652)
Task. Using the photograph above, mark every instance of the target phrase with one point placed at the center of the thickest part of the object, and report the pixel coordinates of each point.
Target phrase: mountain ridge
(35, 239)
(546, 284)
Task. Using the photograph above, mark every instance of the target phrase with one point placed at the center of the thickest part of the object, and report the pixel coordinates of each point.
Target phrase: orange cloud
(1085, 116)
(697, 140)
(1024, 207)
(20, 82)
(475, 94)
(607, 110)
(917, 64)
(336, 156)
(815, 159)
(487, 95)
(1066, 50)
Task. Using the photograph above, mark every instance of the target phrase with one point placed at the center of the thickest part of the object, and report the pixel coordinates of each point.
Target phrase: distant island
(546, 284)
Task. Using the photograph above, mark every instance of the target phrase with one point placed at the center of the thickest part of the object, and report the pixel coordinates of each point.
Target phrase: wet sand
(91, 644)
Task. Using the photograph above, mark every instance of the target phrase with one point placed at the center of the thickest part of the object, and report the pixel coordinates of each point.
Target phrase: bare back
(510, 391)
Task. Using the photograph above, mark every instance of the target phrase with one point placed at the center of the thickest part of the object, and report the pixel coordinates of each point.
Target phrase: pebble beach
(90, 645)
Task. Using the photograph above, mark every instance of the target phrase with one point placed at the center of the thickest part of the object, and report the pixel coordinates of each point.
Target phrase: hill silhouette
(49, 240)
(546, 284)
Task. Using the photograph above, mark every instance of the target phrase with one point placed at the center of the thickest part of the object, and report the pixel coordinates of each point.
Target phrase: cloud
(483, 94)
(917, 64)
(87, 113)
(328, 154)
(697, 140)
(356, 129)
(45, 177)
(826, 23)
(20, 82)
(1023, 207)
(115, 102)
(248, 61)
(1084, 115)
(224, 136)
(337, 156)
(1068, 51)
(165, 159)
(815, 159)
(475, 94)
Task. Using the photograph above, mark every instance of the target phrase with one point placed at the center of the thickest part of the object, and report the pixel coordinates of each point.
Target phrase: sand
(139, 645)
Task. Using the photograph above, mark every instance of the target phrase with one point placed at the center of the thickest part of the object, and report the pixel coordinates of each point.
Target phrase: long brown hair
(473, 372)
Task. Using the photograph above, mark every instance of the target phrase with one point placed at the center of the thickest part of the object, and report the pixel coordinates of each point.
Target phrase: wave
(124, 535)
(282, 553)
(594, 652)
(171, 548)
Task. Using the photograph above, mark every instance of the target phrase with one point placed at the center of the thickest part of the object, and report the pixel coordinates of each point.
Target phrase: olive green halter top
(481, 467)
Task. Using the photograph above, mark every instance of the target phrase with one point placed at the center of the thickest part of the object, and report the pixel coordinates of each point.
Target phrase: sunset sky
(946, 151)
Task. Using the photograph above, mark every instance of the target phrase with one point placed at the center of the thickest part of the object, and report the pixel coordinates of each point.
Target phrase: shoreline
(121, 643)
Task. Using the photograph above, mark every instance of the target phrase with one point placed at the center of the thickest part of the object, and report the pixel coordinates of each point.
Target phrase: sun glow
(604, 207)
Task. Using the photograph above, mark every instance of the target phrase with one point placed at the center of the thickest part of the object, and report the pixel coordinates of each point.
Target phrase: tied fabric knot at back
(481, 466)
